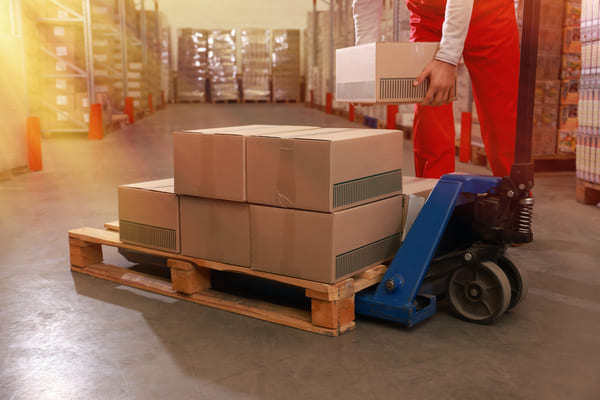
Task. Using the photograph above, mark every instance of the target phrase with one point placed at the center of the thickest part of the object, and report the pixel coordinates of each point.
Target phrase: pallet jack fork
(480, 282)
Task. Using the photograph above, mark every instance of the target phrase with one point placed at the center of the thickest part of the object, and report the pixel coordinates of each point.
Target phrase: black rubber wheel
(479, 293)
(517, 276)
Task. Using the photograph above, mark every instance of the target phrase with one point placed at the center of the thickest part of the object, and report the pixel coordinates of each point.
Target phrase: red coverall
(491, 54)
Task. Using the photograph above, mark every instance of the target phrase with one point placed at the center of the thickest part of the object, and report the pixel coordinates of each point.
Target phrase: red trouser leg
(433, 127)
(492, 56)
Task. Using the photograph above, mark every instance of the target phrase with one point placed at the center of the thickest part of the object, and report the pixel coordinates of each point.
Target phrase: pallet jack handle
(522, 169)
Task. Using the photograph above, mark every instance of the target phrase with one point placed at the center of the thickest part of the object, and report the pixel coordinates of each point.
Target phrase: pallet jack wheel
(517, 276)
(479, 293)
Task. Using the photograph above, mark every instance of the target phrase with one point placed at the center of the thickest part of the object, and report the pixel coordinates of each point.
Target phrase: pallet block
(587, 192)
(332, 305)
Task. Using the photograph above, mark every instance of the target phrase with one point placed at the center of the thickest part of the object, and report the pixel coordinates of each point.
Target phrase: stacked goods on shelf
(548, 74)
(106, 43)
(270, 214)
(64, 72)
(192, 64)
(256, 63)
(588, 131)
(286, 64)
(165, 56)
(222, 66)
(152, 65)
(318, 57)
(570, 74)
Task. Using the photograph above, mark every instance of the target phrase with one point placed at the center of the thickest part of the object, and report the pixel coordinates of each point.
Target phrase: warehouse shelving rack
(75, 18)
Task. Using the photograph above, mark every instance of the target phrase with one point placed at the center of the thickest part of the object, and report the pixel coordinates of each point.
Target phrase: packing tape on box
(286, 180)
(207, 174)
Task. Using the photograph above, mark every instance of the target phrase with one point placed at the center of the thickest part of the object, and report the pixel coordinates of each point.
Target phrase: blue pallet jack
(456, 246)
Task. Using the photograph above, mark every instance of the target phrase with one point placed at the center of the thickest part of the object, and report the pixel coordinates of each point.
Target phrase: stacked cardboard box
(588, 130)
(165, 56)
(152, 67)
(192, 68)
(314, 203)
(570, 73)
(64, 69)
(222, 65)
(256, 63)
(286, 64)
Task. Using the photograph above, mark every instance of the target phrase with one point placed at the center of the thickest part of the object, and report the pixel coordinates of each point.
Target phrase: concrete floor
(68, 336)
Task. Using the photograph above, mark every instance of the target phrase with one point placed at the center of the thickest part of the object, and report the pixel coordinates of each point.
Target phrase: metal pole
(315, 21)
(122, 23)
(396, 22)
(331, 44)
(89, 55)
(143, 33)
(522, 169)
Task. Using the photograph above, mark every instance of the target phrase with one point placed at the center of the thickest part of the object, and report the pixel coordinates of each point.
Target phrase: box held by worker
(325, 247)
(324, 170)
(382, 72)
(149, 215)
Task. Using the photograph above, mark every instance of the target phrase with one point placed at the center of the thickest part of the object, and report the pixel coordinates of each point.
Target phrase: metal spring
(525, 215)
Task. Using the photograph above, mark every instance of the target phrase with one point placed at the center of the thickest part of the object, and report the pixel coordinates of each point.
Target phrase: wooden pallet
(286, 100)
(228, 101)
(331, 305)
(257, 100)
(587, 192)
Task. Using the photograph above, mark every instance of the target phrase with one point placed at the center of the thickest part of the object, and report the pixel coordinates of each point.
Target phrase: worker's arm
(367, 18)
(442, 71)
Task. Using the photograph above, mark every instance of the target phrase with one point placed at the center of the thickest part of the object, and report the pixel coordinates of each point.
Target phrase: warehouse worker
(485, 33)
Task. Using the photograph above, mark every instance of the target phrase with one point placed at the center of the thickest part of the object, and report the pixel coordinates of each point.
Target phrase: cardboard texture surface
(382, 72)
(325, 247)
(324, 169)
(149, 215)
(215, 230)
(211, 163)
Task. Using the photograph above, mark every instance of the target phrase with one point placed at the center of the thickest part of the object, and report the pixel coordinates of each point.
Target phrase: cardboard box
(376, 73)
(212, 162)
(568, 117)
(60, 101)
(566, 140)
(569, 91)
(324, 170)
(216, 230)
(325, 247)
(571, 40)
(65, 85)
(416, 191)
(149, 215)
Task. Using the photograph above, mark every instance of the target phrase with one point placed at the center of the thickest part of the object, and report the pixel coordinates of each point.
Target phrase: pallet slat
(332, 305)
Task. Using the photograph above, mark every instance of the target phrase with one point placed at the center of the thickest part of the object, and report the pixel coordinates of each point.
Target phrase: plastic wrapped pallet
(256, 63)
(192, 64)
(222, 65)
(286, 65)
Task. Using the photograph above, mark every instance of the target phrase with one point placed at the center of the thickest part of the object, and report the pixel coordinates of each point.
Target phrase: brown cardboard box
(60, 101)
(325, 247)
(82, 102)
(212, 162)
(149, 215)
(571, 40)
(568, 117)
(375, 73)
(418, 186)
(569, 92)
(324, 170)
(216, 230)
(65, 85)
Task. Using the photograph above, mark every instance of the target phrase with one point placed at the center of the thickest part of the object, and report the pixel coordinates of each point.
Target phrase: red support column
(351, 116)
(392, 110)
(96, 128)
(34, 143)
(129, 110)
(329, 106)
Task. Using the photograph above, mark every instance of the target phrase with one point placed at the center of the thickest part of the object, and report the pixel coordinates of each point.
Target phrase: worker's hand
(442, 79)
